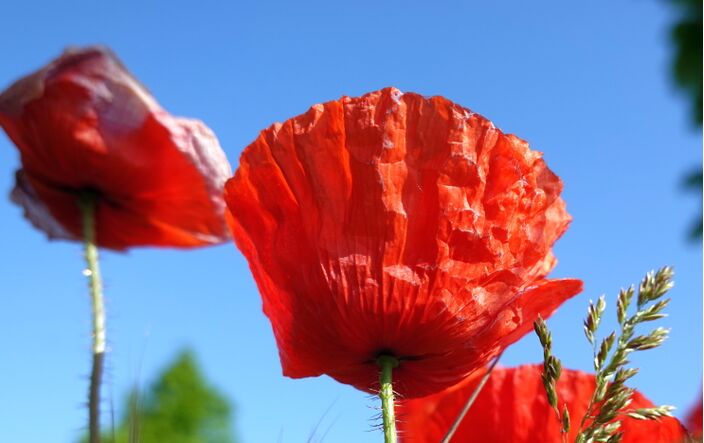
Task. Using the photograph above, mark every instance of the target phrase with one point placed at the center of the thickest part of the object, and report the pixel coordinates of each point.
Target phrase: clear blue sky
(586, 83)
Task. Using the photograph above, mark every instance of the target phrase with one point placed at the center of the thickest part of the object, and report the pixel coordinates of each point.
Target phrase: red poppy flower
(397, 224)
(694, 419)
(513, 407)
(83, 123)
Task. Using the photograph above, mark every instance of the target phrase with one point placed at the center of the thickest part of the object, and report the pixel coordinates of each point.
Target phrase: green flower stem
(386, 393)
(87, 203)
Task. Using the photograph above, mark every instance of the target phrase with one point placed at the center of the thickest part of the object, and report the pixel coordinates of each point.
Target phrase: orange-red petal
(694, 419)
(83, 123)
(513, 408)
(394, 223)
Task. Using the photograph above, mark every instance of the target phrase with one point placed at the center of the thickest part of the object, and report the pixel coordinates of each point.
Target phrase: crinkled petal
(396, 224)
(83, 123)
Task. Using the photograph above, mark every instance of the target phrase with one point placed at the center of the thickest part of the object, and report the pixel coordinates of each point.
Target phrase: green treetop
(180, 407)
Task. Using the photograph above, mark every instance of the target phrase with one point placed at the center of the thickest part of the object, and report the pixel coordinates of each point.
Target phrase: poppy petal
(513, 407)
(694, 419)
(84, 123)
(397, 224)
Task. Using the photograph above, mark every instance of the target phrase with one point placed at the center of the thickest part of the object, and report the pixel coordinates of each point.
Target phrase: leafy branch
(611, 397)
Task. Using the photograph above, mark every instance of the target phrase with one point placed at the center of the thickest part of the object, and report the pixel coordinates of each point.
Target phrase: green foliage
(687, 63)
(611, 396)
(693, 183)
(687, 72)
(180, 407)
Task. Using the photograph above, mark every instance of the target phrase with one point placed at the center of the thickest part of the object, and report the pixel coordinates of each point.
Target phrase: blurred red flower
(82, 124)
(694, 419)
(401, 225)
(513, 407)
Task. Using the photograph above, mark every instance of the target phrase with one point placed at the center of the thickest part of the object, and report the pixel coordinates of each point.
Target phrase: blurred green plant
(687, 62)
(687, 72)
(693, 183)
(179, 407)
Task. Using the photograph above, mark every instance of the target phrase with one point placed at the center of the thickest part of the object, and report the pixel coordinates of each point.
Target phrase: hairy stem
(87, 203)
(386, 393)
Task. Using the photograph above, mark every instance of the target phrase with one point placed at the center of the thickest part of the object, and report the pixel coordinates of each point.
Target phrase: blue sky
(586, 83)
